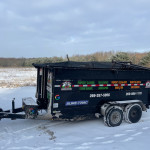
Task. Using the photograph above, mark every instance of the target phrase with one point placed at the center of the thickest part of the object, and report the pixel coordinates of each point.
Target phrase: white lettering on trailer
(100, 95)
(55, 105)
(75, 103)
(133, 93)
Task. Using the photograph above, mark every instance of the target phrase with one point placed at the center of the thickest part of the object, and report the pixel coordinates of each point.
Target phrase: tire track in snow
(146, 128)
(24, 129)
(99, 138)
(125, 136)
(128, 139)
(136, 134)
(34, 148)
(21, 130)
(119, 135)
(108, 142)
(83, 147)
(9, 135)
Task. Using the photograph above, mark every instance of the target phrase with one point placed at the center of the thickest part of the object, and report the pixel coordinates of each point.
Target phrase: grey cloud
(35, 28)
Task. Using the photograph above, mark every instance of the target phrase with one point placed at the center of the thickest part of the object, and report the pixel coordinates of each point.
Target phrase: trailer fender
(127, 102)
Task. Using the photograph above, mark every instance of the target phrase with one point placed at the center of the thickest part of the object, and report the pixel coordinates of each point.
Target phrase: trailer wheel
(133, 113)
(114, 116)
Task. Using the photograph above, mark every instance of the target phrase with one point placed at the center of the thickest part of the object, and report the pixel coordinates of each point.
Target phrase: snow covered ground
(16, 77)
(66, 135)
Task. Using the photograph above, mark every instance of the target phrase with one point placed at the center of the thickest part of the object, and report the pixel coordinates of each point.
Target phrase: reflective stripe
(105, 85)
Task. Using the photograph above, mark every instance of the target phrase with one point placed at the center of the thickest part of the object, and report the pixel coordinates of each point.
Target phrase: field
(45, 134)
(16, 77)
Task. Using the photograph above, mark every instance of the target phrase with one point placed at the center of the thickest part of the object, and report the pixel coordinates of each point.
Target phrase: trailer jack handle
(13, 105)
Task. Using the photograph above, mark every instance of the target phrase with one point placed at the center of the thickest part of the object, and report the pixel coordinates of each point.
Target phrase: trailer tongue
(116, 91)
(29, 109)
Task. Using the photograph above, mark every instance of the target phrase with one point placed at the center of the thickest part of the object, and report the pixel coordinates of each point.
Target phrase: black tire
(133, 113)
(113, 117)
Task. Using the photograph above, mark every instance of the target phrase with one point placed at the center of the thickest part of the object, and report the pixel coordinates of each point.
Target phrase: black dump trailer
(116, 91)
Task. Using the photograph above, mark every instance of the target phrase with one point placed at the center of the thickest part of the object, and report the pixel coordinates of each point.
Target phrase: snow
(44, 134)
(29, 101)
(16, 77)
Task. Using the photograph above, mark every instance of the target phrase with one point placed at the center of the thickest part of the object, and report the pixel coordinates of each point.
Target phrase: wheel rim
(115, 117)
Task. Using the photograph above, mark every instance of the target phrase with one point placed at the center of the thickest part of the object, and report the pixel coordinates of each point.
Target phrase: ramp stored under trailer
(113, 90)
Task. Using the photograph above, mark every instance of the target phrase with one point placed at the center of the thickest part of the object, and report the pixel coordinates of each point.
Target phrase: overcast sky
(45, 28)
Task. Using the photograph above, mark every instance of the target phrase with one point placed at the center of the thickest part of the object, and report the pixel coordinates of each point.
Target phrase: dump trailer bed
(72, 89)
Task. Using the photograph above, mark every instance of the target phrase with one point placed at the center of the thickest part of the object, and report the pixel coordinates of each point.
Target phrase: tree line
(136, 58)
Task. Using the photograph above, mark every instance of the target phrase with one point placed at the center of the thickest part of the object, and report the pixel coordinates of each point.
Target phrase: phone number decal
(100, 95)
